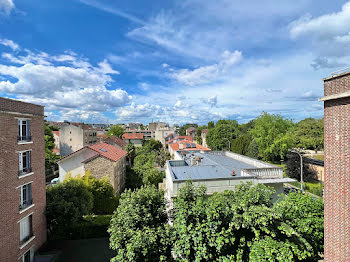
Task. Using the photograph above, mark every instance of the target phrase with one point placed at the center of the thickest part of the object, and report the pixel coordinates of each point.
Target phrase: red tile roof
(189, 138)
(133, 136)
(57, 133)
(205, 131)
(115, 140)
(176, 146)
(110, 152)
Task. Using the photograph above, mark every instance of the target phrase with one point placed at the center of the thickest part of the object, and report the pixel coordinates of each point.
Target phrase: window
(24, 163)
(26, 229)
(24, 130)
(27, 257)
(25, 196)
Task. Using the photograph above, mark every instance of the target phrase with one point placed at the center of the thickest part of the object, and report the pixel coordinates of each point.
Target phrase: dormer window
(24, 130)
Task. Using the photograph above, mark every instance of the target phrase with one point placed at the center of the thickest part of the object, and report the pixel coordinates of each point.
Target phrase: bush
(293, 169)
(92, 226)
(66, 203)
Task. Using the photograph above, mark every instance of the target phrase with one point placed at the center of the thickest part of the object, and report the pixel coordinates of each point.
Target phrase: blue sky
(174, 61)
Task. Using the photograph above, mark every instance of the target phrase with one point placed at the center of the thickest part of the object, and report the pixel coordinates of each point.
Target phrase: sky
(189, 61)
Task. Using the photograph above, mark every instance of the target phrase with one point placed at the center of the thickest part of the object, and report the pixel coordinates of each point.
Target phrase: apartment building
(22, 180)
(75, 136)
(337, 166)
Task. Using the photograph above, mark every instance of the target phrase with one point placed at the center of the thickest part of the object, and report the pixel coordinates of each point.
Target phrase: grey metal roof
(211, 166)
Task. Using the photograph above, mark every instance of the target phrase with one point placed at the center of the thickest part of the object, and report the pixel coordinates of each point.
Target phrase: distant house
(100, 159)
(75, 136)
(185, 145)
(179, 138)
(115, 141)
(56, 136)
(204, 137)
(191, 131)
(133, 138)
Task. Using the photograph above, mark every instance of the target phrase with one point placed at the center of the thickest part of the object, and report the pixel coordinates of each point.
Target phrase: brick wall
(337, 171)
(100, 167)
(9, 181)
(10, 105)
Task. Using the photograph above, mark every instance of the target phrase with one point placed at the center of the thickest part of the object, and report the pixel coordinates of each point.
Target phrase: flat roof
(211, 166)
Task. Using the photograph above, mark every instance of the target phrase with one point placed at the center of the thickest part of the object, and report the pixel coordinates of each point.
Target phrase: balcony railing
(24, 240)
(26, 204)
(24, 171)
(24, 138)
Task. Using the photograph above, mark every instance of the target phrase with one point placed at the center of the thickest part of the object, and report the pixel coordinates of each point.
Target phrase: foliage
(104, 199)
(309, 134)
(314, 187)
(211, 124)
(273, 136)
(115, 130)
(220, 137)
(152, 145)
(182, 130)
(133, 179)
(50, 158)
(66, 203)
(144, 168)
(91, 226)
(130, 148)
(253, 149)
(244, 225)
(293, 168)
(305, 215)
(138, 230)
(241, 144)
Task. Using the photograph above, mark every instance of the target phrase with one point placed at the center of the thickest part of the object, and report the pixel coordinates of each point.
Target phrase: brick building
(337, 166)
(22, 180)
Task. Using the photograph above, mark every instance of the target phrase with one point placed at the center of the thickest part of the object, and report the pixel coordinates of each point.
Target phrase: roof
(191, 128)
(115, 140)
(189, 138)
(57, 133)
(108, 151)
(188, 145)
(132, 136)
(205, 131)
(105, 150)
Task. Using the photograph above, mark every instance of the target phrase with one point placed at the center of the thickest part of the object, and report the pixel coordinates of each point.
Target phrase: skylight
(103, 150)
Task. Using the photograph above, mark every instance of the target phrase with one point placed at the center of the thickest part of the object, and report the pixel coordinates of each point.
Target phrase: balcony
(25, 171)
(25, 204)
(24, 138)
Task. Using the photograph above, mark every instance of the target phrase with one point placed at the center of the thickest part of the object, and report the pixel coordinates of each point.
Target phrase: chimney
(181, 146)
(193, 160)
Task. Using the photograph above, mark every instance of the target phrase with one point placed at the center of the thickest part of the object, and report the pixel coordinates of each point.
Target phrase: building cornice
(335, 96)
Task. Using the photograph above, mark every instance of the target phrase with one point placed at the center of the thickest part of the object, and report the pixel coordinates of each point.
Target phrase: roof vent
(103, 150)
(233, 173)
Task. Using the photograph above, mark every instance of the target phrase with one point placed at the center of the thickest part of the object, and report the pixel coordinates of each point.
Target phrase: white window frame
(20, 129)
(21, 196)
(31, 232)
(28, 160)
(31, 253)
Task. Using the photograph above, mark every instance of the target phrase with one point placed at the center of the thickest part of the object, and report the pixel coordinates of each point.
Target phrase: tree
(144, 168)
(152, 145)
(221, 136)
(105, 200)
(130, 148)
(50, 158)
(211, 124)
(243, 225)
(240, 144)
(182, 130)
(66, 203)
(273, 136)
(253, 149)
(309, 134)
(139, 229)
(115, 130)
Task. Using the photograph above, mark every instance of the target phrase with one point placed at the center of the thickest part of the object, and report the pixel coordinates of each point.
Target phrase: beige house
(204, 137)
(101, 160)
(75, 136)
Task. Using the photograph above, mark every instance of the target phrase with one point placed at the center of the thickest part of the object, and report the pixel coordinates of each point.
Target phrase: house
(316, 166)
(337, 166)
(134, 138)
(115, 141)
(219, 171)
(100, 159)
(147, 134)
(75, 136)
(161, 133)
(204, 137)
(185, 145)
(191, 131)
(22, 180)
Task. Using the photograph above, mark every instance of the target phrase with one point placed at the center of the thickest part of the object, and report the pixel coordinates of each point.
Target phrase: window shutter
(20, 163)
(24, 228)
(28, 128)
(29, 159)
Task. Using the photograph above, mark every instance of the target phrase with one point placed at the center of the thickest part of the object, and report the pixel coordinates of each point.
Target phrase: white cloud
(9, 43)
(206, 74)
(212, 101)
(63, 82)
(6, 6)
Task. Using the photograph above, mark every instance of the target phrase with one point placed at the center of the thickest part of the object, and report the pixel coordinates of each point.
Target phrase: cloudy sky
(176, 61)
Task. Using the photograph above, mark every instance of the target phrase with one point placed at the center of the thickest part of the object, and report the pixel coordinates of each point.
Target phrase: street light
(229, 143)
(301, 169)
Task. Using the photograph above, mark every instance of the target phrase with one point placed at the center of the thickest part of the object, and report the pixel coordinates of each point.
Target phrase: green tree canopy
(273, 135)
(50, 158)
(115, 130)
(66, 203)
(221, 136)
(138, 229)
(245, 225)
(309, 134)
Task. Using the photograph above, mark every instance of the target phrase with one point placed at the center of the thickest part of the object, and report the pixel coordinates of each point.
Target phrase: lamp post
(301, 169)
(229, 144)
